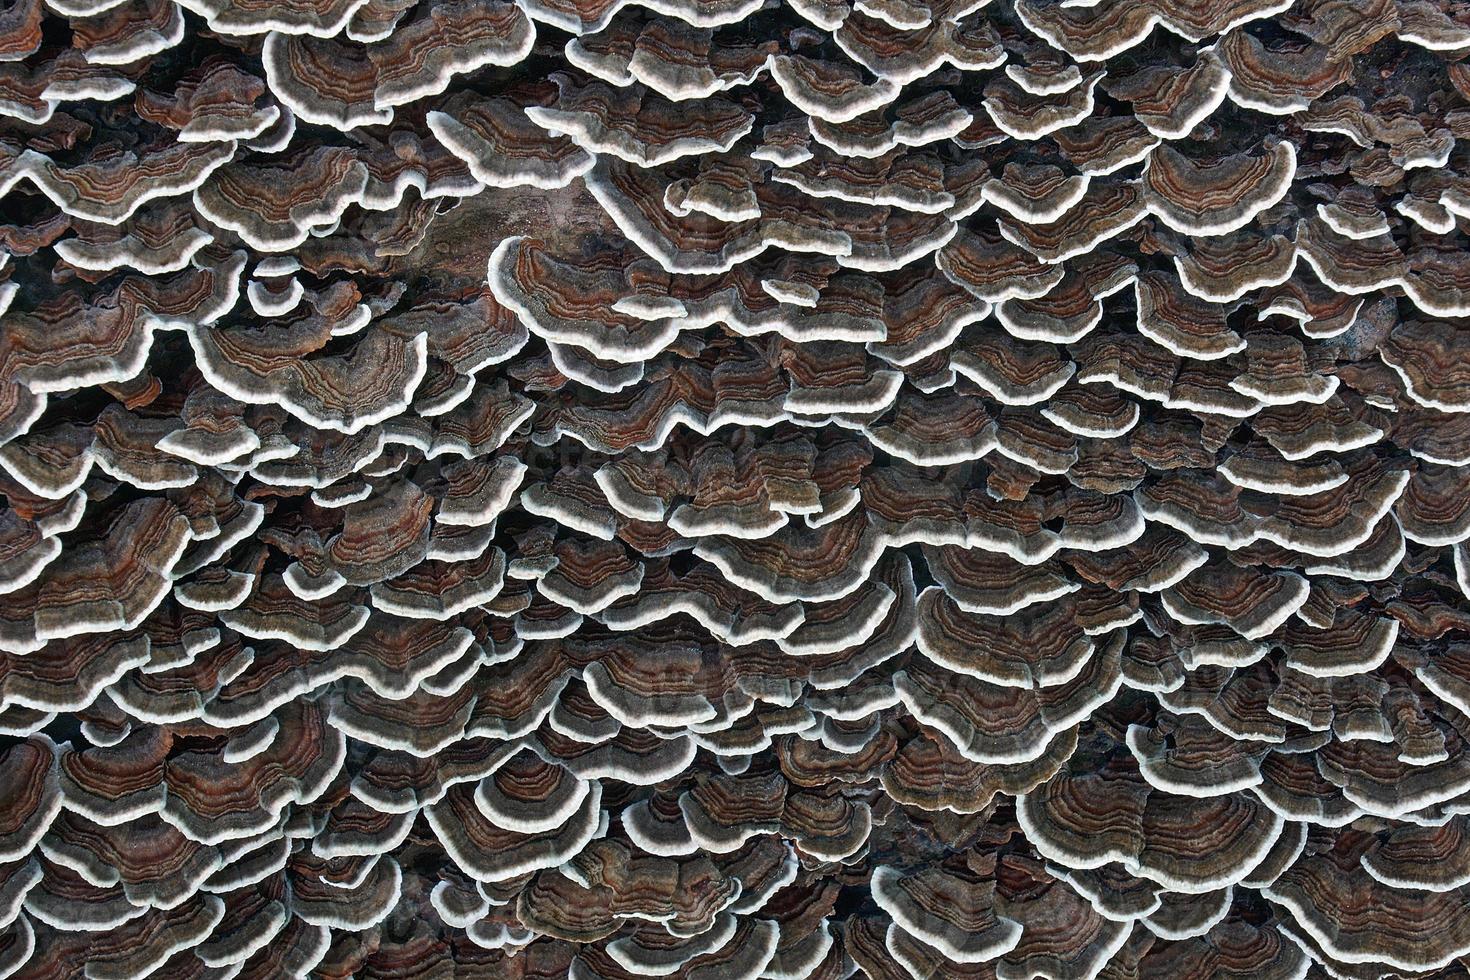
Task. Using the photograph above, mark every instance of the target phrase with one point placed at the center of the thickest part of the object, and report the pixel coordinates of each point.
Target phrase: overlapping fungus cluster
(723, 489)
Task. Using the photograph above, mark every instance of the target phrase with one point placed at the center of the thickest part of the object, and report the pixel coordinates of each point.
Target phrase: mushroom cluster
(734, 489)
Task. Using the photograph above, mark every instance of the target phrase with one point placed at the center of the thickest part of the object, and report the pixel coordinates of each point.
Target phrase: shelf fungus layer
(734, 490)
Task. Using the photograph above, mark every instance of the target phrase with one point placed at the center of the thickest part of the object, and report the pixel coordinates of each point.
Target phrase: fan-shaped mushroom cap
(502, 147)
(1214, 197)
(1280, 78)
(1252, 604)
(827, 90)
(1099, 31)
(216, 102)
(1316, 890)
(998, 724)
(1413, 351)
(919, 121)
(335, 82)
(1187, 326)
(639, 126)
(1172, 101)
(1090, 819)
(993, 269)
(955, 915)
(1039, 646)
(1231, 949)
(907, 51)
(1025, 115)
(928, 773)
(1225, 268)
(489, 852)
(158, 239)
(1105, 211)
(33, 799)
(676, 59)
(745, 951)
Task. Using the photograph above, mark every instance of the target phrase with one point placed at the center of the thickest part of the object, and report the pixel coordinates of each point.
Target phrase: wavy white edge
(1204, 291)
(32, 166)
(266, 303)
(865, 97)
(217, 13)
(887, 895)
(1275, 190)
(1212, 918)
(596, 139)
(1306, 917)
(552, 819)
(1131, 863)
